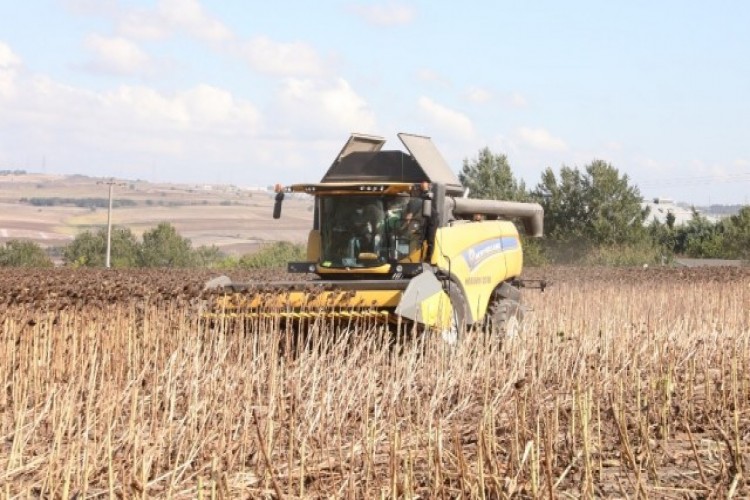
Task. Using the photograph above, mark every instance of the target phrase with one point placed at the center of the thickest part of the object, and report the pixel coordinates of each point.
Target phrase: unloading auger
(394, 239)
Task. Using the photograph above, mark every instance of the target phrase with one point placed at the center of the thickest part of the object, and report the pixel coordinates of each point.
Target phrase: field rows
(621, 383)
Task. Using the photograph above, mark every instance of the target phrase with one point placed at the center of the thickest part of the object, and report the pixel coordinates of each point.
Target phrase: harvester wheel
(458, 316)
(504, 316)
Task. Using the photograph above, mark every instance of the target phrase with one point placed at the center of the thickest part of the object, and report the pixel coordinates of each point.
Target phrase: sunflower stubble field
(620, 383)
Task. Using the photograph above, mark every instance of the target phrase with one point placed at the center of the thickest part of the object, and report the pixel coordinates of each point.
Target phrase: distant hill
(723, 210)
(52, 209)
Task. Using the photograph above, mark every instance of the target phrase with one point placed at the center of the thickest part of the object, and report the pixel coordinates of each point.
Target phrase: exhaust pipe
(532, 214)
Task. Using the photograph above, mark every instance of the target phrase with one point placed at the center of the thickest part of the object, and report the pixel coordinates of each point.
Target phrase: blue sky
(254, 93)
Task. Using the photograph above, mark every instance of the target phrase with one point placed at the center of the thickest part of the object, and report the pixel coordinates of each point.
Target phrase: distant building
(660, 207)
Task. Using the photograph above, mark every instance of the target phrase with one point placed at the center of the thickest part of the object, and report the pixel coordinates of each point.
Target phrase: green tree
(700, 238)
(273, 255)
(89, 249)
(599, 205)
(564, 203)
(664, 236)
(614, 206)
(18, 253)
(737, 234)
(164, 247)
(208, 256)
(489, 176)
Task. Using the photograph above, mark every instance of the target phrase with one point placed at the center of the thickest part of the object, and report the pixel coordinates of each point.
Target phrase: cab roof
(361, 160)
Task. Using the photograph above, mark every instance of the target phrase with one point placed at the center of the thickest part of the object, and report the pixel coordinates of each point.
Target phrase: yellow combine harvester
(395, 238)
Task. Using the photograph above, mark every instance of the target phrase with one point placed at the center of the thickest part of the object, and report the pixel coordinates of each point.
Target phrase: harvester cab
(394, 238)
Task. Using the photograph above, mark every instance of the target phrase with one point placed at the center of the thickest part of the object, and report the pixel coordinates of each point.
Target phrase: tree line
(161, 246)
(594, 215)
(77, 202)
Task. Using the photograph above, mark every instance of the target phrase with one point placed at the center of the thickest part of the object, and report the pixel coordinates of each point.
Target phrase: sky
(253, 93)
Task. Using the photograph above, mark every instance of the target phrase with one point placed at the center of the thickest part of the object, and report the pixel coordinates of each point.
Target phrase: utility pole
(109, 226)
(111, 183)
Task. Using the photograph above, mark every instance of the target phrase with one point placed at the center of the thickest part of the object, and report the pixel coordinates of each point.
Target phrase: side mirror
(277, 205)
(427, 208)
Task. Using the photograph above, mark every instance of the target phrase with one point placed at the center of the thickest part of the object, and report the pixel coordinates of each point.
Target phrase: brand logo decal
(486, 249)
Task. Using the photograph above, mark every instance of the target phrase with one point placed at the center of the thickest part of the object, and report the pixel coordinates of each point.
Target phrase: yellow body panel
(436, 311)
(309, 300)
(323, 270)
(313, 245)
(347, 314)
(479, 256)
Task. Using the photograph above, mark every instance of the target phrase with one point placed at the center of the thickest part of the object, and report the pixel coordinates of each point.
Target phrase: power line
(695, 181)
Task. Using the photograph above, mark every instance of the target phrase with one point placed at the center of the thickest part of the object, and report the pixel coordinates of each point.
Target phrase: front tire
(452, 334)
(504, 316)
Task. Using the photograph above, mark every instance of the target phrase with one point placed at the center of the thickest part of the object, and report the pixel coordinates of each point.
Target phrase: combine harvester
(394, 239)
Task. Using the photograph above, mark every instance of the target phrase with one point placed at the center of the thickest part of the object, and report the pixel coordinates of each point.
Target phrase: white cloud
(7, 83)
(281, 59)
(189, 16)
(431, 76)
(142, 24)
(385, 14)
(173, 16)
(613, 146)
(117, 55)
(9, 62)
(209, 105)
(656, 177)
(201, 108)
(481, 95)
(146, 106)
(517, 100)
(8, 58)
(478, 95)
(86, 131)
(91, 7)
(539, 138)
(653, 164)
(451, 121)
(321, 107)
(504, 144)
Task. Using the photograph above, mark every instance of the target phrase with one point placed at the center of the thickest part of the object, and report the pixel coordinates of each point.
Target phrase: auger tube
(532, 214)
